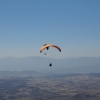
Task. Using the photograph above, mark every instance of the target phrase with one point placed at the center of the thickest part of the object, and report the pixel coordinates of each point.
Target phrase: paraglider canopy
(46, 46)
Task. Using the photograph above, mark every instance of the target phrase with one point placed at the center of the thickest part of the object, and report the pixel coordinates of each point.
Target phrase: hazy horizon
(52, 57)
(41, 64)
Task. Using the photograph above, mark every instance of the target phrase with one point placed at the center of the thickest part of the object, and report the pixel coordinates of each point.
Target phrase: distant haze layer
(41, 64)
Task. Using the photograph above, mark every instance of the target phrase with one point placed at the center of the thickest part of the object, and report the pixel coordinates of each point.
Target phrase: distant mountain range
(41, 64)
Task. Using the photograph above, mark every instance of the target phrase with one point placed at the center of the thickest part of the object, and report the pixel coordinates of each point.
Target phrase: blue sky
(73, 25)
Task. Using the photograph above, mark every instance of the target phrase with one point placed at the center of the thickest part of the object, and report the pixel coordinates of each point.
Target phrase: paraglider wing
(49, 45)
(45, 45)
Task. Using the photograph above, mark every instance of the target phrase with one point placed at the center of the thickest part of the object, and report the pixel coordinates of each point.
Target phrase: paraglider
(50, 64)
(46, 46)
